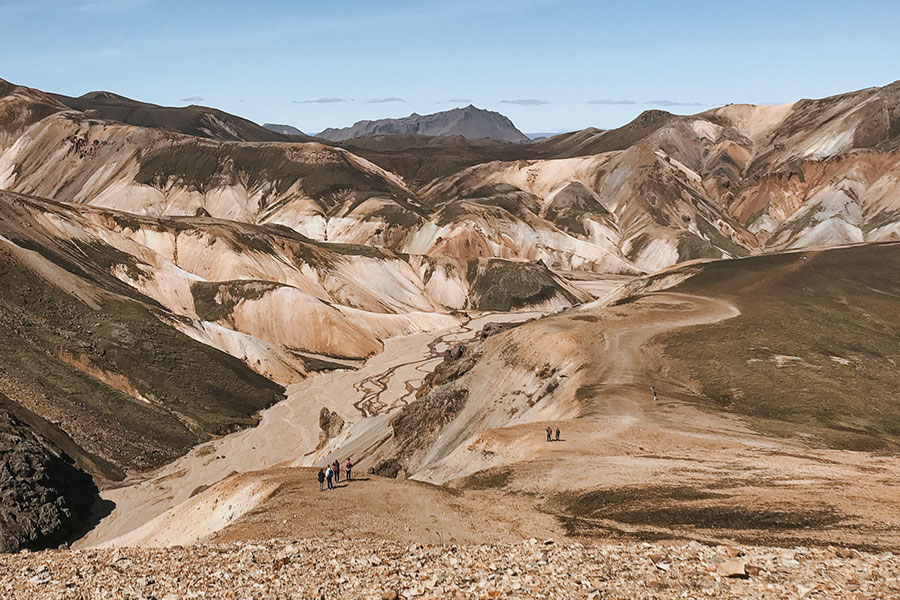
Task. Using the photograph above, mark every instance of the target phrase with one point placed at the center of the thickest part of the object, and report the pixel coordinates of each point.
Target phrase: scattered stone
(360, 568)
(733, 568)
(846, 553)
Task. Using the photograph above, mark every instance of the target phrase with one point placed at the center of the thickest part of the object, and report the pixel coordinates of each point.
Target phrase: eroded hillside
(168, 272)
(660, 190)
(766, 370)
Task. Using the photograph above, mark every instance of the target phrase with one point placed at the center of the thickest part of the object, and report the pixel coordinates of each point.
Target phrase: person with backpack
(549, 434)
(321, 477)
(336, 467)
(347, 470)
(329, 475)
(557, 434)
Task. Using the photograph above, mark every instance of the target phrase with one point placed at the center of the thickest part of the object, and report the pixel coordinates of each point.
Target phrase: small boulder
(733, 568)
(847, 553)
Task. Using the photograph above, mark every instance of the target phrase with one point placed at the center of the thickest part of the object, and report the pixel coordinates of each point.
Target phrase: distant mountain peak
(469, 122)
(283, 129)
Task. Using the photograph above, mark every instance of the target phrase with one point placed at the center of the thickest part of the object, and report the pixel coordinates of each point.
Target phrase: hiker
(549, 434)
(329, 475)
(347, 468)
(557, 434)
(321, 477)
(336, 466)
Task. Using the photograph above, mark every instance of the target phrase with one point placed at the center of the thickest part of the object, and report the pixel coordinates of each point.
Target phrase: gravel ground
(317, 568)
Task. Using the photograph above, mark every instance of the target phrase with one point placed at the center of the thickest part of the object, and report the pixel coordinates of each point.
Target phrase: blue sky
(548, 65)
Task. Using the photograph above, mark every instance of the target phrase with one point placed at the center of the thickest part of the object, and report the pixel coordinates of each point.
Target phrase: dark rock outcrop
(330, 425)
(44, 497)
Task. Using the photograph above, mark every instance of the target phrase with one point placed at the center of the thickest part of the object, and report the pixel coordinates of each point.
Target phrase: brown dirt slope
(803, 350)
(379, 508)
(87, 361)
(815, 350)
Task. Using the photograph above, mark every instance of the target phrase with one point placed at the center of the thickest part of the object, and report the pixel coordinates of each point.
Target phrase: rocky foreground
(317, 568)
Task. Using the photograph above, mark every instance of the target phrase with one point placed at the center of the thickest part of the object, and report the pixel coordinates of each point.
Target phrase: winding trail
(612, 365)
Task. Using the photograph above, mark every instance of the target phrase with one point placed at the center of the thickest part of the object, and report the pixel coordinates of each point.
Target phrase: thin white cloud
(612, 102)
(326, 100)
(460, 100)
(193, 99)
(670, 103)
(526, 102)
(384, 100)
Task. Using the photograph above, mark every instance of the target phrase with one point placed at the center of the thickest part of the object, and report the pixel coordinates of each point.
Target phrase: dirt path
(288, 433)
(612, 367)
(677, 467)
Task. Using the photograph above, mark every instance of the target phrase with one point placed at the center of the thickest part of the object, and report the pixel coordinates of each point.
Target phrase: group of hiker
(332, 474)
(550, 432)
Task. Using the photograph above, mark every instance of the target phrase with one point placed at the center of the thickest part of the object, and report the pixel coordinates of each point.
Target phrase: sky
(550, 66)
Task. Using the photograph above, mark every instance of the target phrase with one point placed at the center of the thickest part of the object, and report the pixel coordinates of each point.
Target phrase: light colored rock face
(281, 302)
(660, 190)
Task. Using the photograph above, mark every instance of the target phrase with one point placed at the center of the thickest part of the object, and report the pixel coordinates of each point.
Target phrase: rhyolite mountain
(143, 246)
(468, 122)
(662, 189)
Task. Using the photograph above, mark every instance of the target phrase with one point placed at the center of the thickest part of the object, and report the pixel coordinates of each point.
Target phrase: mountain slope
(468, 122)
(660, 190)
(283, 129)
(727, 182)
(90, 362)
(768, 336)
(70, 157)
(194, 120)
(764, 378)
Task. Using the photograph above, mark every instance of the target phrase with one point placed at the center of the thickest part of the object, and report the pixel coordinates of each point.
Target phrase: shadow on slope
(87, 362)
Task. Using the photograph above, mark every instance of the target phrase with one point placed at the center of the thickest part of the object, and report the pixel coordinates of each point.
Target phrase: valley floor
(288, 432)
(628, 466)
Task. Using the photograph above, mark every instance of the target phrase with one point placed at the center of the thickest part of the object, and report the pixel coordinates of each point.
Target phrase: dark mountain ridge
(200, 121)
(468, 122)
